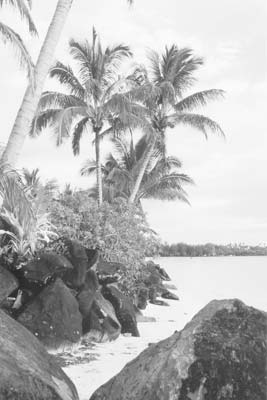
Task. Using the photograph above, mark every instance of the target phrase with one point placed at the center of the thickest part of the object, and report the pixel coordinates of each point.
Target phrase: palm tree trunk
(32, 95)
(146, 159)
(98, 169)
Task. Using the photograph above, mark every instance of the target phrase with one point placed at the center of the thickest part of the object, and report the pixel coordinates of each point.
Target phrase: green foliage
(23, 216)
(119, 230)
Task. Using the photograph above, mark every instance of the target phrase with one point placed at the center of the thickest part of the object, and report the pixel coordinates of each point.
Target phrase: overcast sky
(229, 201)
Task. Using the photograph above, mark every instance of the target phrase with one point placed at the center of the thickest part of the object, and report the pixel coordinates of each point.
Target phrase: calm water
(198, 281)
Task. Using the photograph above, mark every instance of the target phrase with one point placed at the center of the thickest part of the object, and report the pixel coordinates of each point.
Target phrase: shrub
(119, 230)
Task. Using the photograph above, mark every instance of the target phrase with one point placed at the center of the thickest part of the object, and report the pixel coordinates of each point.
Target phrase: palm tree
(26, 113)
(162, 179)
(10, 36)
(172, 74)
(96, 97)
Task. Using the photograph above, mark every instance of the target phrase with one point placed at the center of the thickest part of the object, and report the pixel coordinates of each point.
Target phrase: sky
(228, 200)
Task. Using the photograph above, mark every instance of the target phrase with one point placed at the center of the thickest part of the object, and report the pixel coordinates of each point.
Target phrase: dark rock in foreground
(8, 283)
(219, 355)
(53, 316)
(27, 371)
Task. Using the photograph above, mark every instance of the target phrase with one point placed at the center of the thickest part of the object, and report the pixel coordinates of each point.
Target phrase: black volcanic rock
(27, 371)
(53, 316)
(219, 355)
(124, 309)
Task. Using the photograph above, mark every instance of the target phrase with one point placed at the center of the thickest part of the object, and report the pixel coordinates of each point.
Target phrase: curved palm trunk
(32, 95)
(140, 176)
(98, 169)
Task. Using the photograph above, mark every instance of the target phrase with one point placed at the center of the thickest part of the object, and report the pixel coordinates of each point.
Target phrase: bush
(119, 230)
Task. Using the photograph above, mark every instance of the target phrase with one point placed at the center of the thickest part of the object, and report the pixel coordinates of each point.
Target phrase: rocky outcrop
(112, 327)
(87, 293)
(154, 276)
(45, 267)
(27, 371)
(101, 324)
(53, 316)
(124, 309)
(219, 355)
(8, 283)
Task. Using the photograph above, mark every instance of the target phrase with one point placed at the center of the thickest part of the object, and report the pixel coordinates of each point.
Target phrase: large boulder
(53, 316)
(219, 355)
(101, 324)
(87, 293)
(111, 325)
(80, 257)
(8, 283)
(27, 371)
(44, 267)
(124, 309)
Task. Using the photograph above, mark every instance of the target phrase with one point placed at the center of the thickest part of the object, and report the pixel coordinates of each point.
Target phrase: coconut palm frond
(23, 8)
(166, 187)
(198, 99)
(82, 53)
(64, 122)
(59, 100)
(88, 168)
(168, 63)
(60, 119)
(26, 63)
(42, 120)
(165, 164)
(123, 152)
(77, 134)
(66, 76)
(147, 94)
(155, 66)
(197, 121)
(185, 66)
(112, 59)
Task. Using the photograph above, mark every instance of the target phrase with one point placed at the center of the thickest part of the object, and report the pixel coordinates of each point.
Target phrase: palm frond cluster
(10, 36)
(162, 179)
(101, 101)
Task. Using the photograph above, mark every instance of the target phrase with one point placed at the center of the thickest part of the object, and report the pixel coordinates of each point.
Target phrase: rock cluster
(67, 292)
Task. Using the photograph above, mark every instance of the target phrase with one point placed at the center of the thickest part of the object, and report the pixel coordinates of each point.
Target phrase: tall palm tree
(96, 97)
(12, 37)
(171, 75)
(162, 179)
(26, 113)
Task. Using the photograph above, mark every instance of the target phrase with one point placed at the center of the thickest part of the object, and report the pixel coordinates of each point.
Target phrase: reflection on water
(198, 281)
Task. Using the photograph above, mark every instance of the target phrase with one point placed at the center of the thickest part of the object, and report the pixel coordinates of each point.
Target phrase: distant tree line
(211, 250)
